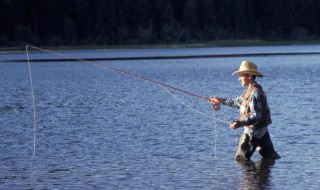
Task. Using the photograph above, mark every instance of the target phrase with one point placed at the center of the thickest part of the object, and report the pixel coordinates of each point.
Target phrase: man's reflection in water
(256, 175)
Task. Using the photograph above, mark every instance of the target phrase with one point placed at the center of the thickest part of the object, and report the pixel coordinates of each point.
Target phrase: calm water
(97, 129)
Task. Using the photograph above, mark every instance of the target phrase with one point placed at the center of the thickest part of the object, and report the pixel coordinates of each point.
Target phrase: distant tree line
(118, 22)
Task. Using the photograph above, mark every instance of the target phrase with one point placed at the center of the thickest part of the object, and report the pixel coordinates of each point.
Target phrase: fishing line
(236, 138)
(215, 134)
(213, 117)
(121, 71)
(191, 108)
(33, 105)
(163, 85)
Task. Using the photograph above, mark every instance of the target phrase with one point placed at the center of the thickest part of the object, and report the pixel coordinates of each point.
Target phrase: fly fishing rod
(123, 72)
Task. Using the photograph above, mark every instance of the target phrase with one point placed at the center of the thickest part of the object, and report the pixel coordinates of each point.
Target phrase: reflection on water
(256, 175)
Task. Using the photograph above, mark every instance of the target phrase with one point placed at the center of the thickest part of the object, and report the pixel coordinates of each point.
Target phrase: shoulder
(257, 91)
(257, 88)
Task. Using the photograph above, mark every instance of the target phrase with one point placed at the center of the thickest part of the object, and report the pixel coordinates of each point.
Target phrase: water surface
(101, 129)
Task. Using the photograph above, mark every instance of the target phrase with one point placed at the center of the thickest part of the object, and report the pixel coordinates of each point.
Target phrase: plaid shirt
(256, 107)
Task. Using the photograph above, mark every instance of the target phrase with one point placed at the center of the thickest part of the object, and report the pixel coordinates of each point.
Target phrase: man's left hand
(235, 124)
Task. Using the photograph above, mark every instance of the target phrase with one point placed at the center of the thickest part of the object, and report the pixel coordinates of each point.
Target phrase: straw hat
(247, 67)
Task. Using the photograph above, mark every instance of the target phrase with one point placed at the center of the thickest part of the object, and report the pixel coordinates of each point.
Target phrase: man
(254, 115)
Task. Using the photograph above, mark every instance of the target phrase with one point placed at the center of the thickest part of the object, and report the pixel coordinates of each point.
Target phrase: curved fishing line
(33, 104)
(119, 71)
(187, 105)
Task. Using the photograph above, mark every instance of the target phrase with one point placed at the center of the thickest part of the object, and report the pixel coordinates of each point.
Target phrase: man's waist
(256, 132)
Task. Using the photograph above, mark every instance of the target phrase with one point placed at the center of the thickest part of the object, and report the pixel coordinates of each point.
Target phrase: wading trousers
(248, 144)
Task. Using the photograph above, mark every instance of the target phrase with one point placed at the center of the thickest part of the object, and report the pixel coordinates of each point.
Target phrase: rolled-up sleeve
(235, 103)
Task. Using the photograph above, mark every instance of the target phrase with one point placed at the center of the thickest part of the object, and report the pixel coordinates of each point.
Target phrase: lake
(100, 129)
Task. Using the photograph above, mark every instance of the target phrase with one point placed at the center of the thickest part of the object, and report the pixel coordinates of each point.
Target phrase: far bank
(219, 43)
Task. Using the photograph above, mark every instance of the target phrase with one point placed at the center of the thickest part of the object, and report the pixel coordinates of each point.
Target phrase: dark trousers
(248, 144)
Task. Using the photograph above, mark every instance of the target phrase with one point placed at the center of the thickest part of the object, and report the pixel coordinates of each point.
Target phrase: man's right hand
(215, 101)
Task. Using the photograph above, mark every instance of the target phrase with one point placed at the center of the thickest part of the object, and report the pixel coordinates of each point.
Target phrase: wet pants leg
(248, 144)
(266, 147)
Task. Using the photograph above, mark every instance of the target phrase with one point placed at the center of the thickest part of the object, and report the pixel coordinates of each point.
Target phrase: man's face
(244, 79)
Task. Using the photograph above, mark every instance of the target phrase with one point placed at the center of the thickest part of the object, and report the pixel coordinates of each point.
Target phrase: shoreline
(219, 43)
(161, 57)
(60, 55)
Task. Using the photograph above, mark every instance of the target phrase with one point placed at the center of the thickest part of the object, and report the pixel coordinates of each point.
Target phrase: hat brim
(255, 73)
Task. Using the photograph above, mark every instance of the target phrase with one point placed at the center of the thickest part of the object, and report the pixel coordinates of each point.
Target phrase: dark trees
(113, 22)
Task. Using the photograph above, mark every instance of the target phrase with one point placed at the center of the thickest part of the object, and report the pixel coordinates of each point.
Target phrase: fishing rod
(215, 105)
(123, 72)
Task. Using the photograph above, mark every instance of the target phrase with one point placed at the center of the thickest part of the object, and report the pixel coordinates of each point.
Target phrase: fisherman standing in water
(254, 115)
